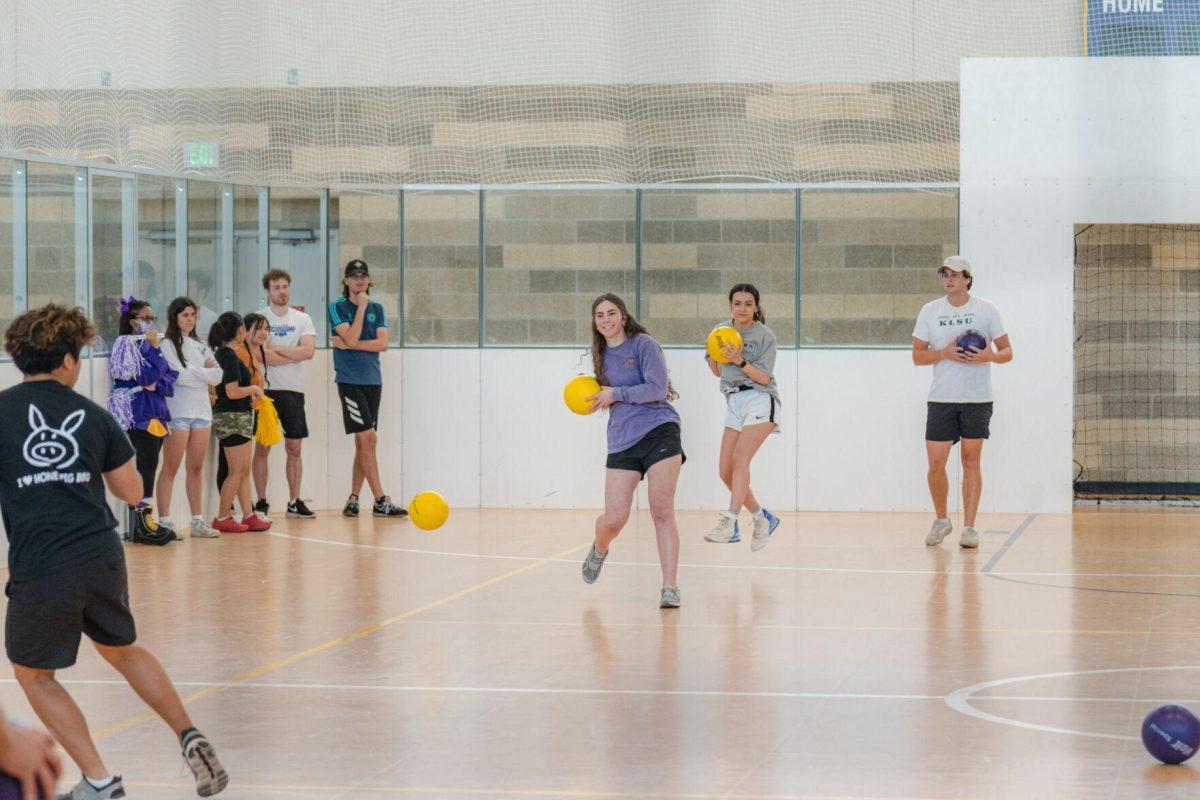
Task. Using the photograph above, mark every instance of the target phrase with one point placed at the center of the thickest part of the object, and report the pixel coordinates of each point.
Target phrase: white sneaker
(764, 525)
(970, 539)
(726, 530)
(939, 530)
(202, 530)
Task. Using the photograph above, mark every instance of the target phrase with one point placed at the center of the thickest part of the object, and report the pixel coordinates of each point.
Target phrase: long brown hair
(174, 334)
(600, 344)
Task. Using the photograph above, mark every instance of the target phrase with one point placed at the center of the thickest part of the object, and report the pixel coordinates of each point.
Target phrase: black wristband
(743, 364)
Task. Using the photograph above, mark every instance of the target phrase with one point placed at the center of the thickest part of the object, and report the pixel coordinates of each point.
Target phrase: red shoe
(228, 525)
(254, 523)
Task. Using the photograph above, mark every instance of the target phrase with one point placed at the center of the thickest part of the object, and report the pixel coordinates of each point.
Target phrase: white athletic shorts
(751, 407)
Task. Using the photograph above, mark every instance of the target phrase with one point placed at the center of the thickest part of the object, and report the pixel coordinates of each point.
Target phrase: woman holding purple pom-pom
(142, 382)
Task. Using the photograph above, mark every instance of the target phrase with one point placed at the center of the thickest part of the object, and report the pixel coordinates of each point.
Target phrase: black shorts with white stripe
(360, 406)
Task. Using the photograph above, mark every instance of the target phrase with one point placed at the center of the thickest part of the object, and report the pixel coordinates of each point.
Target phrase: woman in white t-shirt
(191, 413)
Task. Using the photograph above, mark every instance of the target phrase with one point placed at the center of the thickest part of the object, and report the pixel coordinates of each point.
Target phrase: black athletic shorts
(360, 406)
(290, 406)
(949, 422)
(658, 445)
(47, 615)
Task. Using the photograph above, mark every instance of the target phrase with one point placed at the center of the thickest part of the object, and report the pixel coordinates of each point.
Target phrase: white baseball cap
(958, 264)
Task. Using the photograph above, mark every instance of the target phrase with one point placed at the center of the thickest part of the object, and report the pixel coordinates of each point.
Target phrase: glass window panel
(296, 247)
(869, 262)
(50, 224)
(366, 225)
(547, 255)
(107, 255)
(248, 294)
(204, 253)
(696, 244)
(6, 246)
(156, 243)
(441, 268)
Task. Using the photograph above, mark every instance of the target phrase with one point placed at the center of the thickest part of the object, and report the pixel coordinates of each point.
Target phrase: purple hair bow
(126, 302)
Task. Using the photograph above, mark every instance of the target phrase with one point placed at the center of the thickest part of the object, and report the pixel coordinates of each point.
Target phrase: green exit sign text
(202, 154)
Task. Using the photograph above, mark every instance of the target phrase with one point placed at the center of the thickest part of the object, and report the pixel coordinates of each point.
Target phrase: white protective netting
(479, 91)
(1137, 367)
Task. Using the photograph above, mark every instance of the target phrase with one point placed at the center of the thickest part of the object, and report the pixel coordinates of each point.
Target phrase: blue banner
(1142, 27)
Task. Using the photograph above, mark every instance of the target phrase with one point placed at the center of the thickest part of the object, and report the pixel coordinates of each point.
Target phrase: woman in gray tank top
(752, 401)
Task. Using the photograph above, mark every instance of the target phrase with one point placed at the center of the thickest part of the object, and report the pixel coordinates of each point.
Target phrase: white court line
(960, 700)
(749, 567)
(368, 687)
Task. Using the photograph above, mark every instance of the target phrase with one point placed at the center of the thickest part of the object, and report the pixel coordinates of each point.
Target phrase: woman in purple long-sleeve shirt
(643, 436)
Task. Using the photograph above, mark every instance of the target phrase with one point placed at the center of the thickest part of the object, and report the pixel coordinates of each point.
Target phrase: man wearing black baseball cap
(360, 335)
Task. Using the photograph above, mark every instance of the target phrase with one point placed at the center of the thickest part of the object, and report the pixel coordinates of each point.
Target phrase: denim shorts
(188, 423)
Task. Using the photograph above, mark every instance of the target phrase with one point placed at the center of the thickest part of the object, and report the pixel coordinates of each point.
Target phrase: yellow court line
(455, 790)
(349, 637)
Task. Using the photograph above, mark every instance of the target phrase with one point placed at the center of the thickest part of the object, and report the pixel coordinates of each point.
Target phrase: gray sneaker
(202, 530)
(939, 530)
(205, 766)
(85, 791)
(970, 539)
(592, 565)
(669, 598)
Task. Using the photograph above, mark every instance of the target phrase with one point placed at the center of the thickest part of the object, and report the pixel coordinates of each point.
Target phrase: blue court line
(1009, 542)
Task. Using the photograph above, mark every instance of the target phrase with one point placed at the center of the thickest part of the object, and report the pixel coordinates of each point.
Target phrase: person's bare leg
(356, 479)
(725, 467)
(174, 448)
(146, 676)
(197, 452)
(748, 443)
(619, 486)
(663, 478)
(230, 487)
(239, 468)
(295, 467)
(59, 713)
(262, 455)
(939, 485)
(972, 453)
(367, 442)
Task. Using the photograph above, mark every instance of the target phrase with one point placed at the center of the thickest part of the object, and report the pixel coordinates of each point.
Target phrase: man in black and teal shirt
(360, 335)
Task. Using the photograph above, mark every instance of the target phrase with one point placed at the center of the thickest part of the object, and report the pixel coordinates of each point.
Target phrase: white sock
(237, 517)
(759, 514)
(730, 514)
(99, 783)
(197, 519)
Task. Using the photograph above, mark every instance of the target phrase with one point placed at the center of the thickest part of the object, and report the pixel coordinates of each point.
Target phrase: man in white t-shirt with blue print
(960, 399)
(292, 342)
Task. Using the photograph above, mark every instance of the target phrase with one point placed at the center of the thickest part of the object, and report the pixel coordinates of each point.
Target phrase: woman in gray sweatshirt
(752, 401)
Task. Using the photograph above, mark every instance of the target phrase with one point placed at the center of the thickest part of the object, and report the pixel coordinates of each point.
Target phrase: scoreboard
(1142, 27)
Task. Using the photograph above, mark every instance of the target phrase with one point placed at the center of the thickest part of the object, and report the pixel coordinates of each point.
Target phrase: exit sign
(202, 154)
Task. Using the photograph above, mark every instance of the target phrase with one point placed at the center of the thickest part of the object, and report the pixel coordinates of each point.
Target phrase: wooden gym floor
(361, 659)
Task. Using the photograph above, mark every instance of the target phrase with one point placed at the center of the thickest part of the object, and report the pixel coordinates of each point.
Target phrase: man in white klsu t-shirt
(960, 400)
(293, 340)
